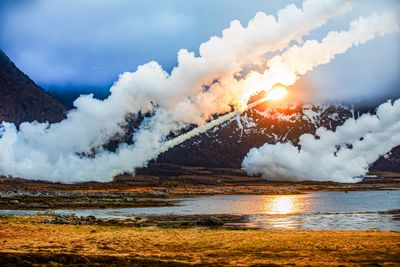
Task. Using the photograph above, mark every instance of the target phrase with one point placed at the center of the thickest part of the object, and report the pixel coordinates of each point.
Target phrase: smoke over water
(197, 88)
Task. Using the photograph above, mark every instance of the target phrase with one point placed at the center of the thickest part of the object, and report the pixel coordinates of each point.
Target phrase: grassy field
(23, 239)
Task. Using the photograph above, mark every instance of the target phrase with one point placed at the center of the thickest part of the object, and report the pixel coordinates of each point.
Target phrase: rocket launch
(273, 95)
(225, 71)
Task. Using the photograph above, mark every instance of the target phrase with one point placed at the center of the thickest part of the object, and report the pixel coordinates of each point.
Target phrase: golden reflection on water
(282, 204)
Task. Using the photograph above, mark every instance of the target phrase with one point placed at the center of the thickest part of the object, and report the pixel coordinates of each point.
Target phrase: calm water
(322, 210)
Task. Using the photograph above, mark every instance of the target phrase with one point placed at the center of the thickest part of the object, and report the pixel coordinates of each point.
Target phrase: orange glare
(277, 93)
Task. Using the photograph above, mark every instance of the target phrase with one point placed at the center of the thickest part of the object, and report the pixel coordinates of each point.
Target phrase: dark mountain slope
(22, 100)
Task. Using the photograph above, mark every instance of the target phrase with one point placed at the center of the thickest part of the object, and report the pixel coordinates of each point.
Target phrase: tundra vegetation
(27, 239)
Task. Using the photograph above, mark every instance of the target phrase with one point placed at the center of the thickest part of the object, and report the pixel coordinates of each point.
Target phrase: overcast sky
(76, 43)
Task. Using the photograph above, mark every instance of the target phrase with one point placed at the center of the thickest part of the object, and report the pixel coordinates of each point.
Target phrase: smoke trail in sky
(297, 60)
(208, 126)
(336, 161)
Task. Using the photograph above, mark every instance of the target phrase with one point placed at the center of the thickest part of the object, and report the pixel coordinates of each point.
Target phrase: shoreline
(192, 221)
(22, 194)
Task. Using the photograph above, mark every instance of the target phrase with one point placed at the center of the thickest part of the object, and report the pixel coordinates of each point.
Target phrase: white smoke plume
(285, 161)
(54, 152)
(197, 88)
(342, 156)
(208, 126)
(289, 66)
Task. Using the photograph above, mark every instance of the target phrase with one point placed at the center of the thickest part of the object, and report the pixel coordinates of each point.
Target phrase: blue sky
(75, 43)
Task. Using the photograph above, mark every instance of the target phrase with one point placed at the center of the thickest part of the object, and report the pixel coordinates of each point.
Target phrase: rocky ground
(223, 221)
(58, 199)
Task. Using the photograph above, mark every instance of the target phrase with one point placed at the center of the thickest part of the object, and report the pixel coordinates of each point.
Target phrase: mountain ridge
(264, 125)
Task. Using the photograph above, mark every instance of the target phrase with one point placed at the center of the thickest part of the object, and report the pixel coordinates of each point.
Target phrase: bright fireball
(277, 93)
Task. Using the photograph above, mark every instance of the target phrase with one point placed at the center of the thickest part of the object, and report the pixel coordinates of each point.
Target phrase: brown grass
(21, 237)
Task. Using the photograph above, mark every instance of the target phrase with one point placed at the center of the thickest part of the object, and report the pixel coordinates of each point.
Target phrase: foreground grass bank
(26, 240)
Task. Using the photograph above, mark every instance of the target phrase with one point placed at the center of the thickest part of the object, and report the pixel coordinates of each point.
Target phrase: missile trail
(199, 130)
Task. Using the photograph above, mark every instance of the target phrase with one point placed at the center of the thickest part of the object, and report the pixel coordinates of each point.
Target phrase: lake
(319, 210)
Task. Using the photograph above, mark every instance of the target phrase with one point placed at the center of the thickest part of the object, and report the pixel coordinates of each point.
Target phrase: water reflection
(280, 205)
(344, 221)
(322, 210)
(287, 204)
(275, 222)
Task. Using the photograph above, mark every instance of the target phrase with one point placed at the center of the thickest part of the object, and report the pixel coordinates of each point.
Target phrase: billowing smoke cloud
(197, 88)
(208, 126)
(287, 67)
(340, 156)
(56, 152)
(349, 151)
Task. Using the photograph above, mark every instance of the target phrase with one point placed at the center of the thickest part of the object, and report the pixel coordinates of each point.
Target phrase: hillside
(22, 100)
